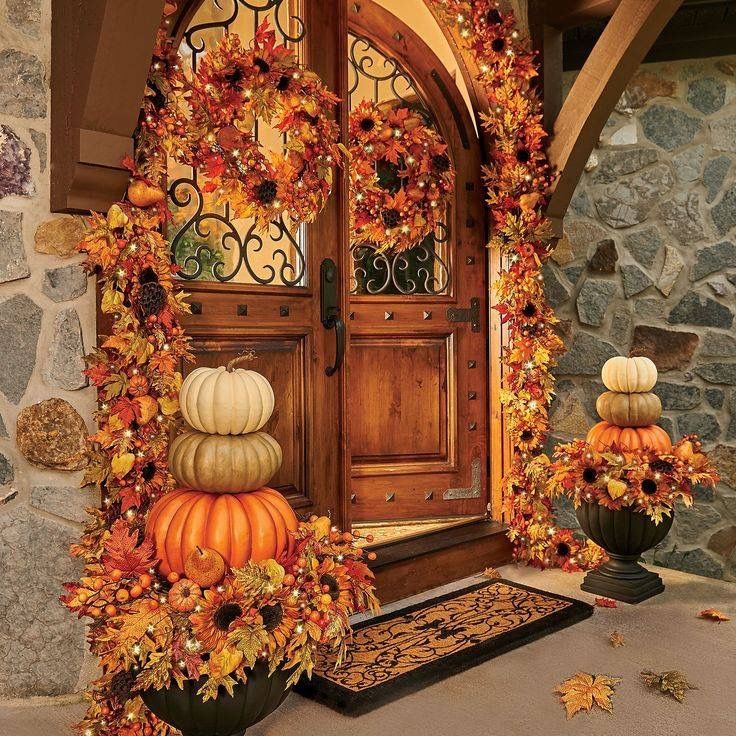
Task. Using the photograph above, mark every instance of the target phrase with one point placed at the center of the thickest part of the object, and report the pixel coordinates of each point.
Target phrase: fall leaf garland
(518, 178)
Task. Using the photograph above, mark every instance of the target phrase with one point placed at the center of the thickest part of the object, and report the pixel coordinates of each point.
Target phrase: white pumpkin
(226, 401)
(629, 375)
(224, 463)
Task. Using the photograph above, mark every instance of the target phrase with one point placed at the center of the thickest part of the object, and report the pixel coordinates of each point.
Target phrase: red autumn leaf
(125, 409)
(129, 498)
(122, 551)
(605, 603)
(714, 615)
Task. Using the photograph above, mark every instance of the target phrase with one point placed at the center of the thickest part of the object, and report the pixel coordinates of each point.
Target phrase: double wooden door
(398, 429)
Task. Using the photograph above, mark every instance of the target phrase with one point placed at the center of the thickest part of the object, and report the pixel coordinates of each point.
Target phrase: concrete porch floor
(512, 694)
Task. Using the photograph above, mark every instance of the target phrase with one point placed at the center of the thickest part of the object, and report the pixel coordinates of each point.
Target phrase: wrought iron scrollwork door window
(207, 243)
(426, 268)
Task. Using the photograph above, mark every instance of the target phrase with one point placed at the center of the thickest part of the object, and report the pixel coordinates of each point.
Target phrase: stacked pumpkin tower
(629, 409)
(223, 514)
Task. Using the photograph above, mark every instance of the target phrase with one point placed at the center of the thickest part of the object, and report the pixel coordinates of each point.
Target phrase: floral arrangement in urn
(625, 478)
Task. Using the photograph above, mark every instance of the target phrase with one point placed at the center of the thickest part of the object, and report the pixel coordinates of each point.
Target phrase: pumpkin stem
(245, 357)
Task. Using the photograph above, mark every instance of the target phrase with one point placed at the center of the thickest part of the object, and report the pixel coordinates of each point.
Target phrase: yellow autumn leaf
(116, 217)
(111, 300)
(147, 408)
(222, 663)
(616, 488)
(582, 691)
(121, 464)
(169, 406)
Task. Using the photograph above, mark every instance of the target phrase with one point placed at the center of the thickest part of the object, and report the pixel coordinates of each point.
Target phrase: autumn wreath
(401, 177)
(233, 90)
(642, 479)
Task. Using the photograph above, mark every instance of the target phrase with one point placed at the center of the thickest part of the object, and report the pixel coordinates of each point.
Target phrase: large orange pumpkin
(603, 435)
(240, 526)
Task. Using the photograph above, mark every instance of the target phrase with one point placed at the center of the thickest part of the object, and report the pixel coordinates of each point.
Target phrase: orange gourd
(603, 435)
(240, 526)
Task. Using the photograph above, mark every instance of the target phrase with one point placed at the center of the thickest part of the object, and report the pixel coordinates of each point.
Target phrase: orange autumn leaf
(146, 409)
(582, 691)
(492, 573)
(714, 615)
(616, 639)
(605, 603)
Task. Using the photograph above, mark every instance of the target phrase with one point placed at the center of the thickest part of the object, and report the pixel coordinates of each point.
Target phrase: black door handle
(330, 311)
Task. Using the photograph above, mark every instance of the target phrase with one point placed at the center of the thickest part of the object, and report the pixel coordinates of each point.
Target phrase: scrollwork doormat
(404, 651)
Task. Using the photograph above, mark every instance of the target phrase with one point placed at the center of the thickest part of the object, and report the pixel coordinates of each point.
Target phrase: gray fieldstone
(691, 523)
(585, 356)
(724, 373)
(615, 164)
(565, 513)
(581, 234)
(644, 245)
(723, 134)
(65, 283)
(669, 127)
(682, 217)
(593, 300)
(716, 397)
(671, 268)
(15, 165)
(7, 473)
(723, 542)
(39, 140)
(13, 264)
(60, 236)
(724, 213)
(22, 85)
(676, 397)
(669, 349)
(695, 561)
(621, 324)
(67, 502)
(42, 644)
(701, 423)
(713, 258)
(650, 309)
(555, 289)
(3, 429)
(696, 309)
(591, 391)
(645, 86)
(724, 459)
(20, 326)
(667, 425)
(718, 345)
(703, 493)
(707, 95)
(714, 175)
(570, 419)
(634, 280)
(689, 163)
(563, 252)
(65, 363)
(25, 15)
(629, 201)
(573, 273)
(581, 203)
(604, 257)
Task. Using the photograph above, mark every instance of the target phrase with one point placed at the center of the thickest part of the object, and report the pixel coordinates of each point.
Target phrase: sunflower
(221, 607)
(280, 616)
(334, 580)
(365, 122)
(564, 548)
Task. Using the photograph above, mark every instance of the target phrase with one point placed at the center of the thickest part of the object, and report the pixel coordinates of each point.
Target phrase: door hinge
(472, 314)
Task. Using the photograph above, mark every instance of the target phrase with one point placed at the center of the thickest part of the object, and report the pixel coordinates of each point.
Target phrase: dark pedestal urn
(226, 715)
(625, 535)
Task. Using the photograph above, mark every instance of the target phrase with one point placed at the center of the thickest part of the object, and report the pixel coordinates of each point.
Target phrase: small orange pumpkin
(184, 595)
(603, 435)
(240, 526)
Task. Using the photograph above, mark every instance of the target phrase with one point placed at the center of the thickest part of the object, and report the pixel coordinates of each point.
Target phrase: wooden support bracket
(100, 55)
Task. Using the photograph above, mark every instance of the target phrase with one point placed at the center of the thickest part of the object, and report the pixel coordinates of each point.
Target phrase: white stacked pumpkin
(223, 451)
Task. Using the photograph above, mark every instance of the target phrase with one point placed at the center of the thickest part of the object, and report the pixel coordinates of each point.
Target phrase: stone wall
(648, 267)
(46, 324)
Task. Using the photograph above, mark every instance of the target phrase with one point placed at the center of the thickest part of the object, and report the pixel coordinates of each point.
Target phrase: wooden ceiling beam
(569, 13)
(624, 43)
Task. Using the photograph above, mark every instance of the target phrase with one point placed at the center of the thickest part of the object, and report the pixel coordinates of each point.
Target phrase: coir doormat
(404, 651)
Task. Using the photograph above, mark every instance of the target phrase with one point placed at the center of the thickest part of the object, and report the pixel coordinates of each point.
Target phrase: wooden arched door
(417, 378)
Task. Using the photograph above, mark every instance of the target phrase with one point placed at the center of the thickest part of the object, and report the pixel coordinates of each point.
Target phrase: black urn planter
(226, 715)
(625, 535)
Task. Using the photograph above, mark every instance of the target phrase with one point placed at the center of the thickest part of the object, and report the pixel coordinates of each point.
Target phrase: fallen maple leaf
(672, 682)
(582, 691)
(491, 572)
(605, 603)
(616, 639)
(714, 615)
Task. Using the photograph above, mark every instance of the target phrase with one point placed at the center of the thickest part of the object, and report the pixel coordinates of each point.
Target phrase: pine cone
(151, 298)
(390, 217)
(121, 686)
(441, 163)
(266, 191)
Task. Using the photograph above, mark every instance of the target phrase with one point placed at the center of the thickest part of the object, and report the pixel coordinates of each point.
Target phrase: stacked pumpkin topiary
(628, 409)
(223, 515)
